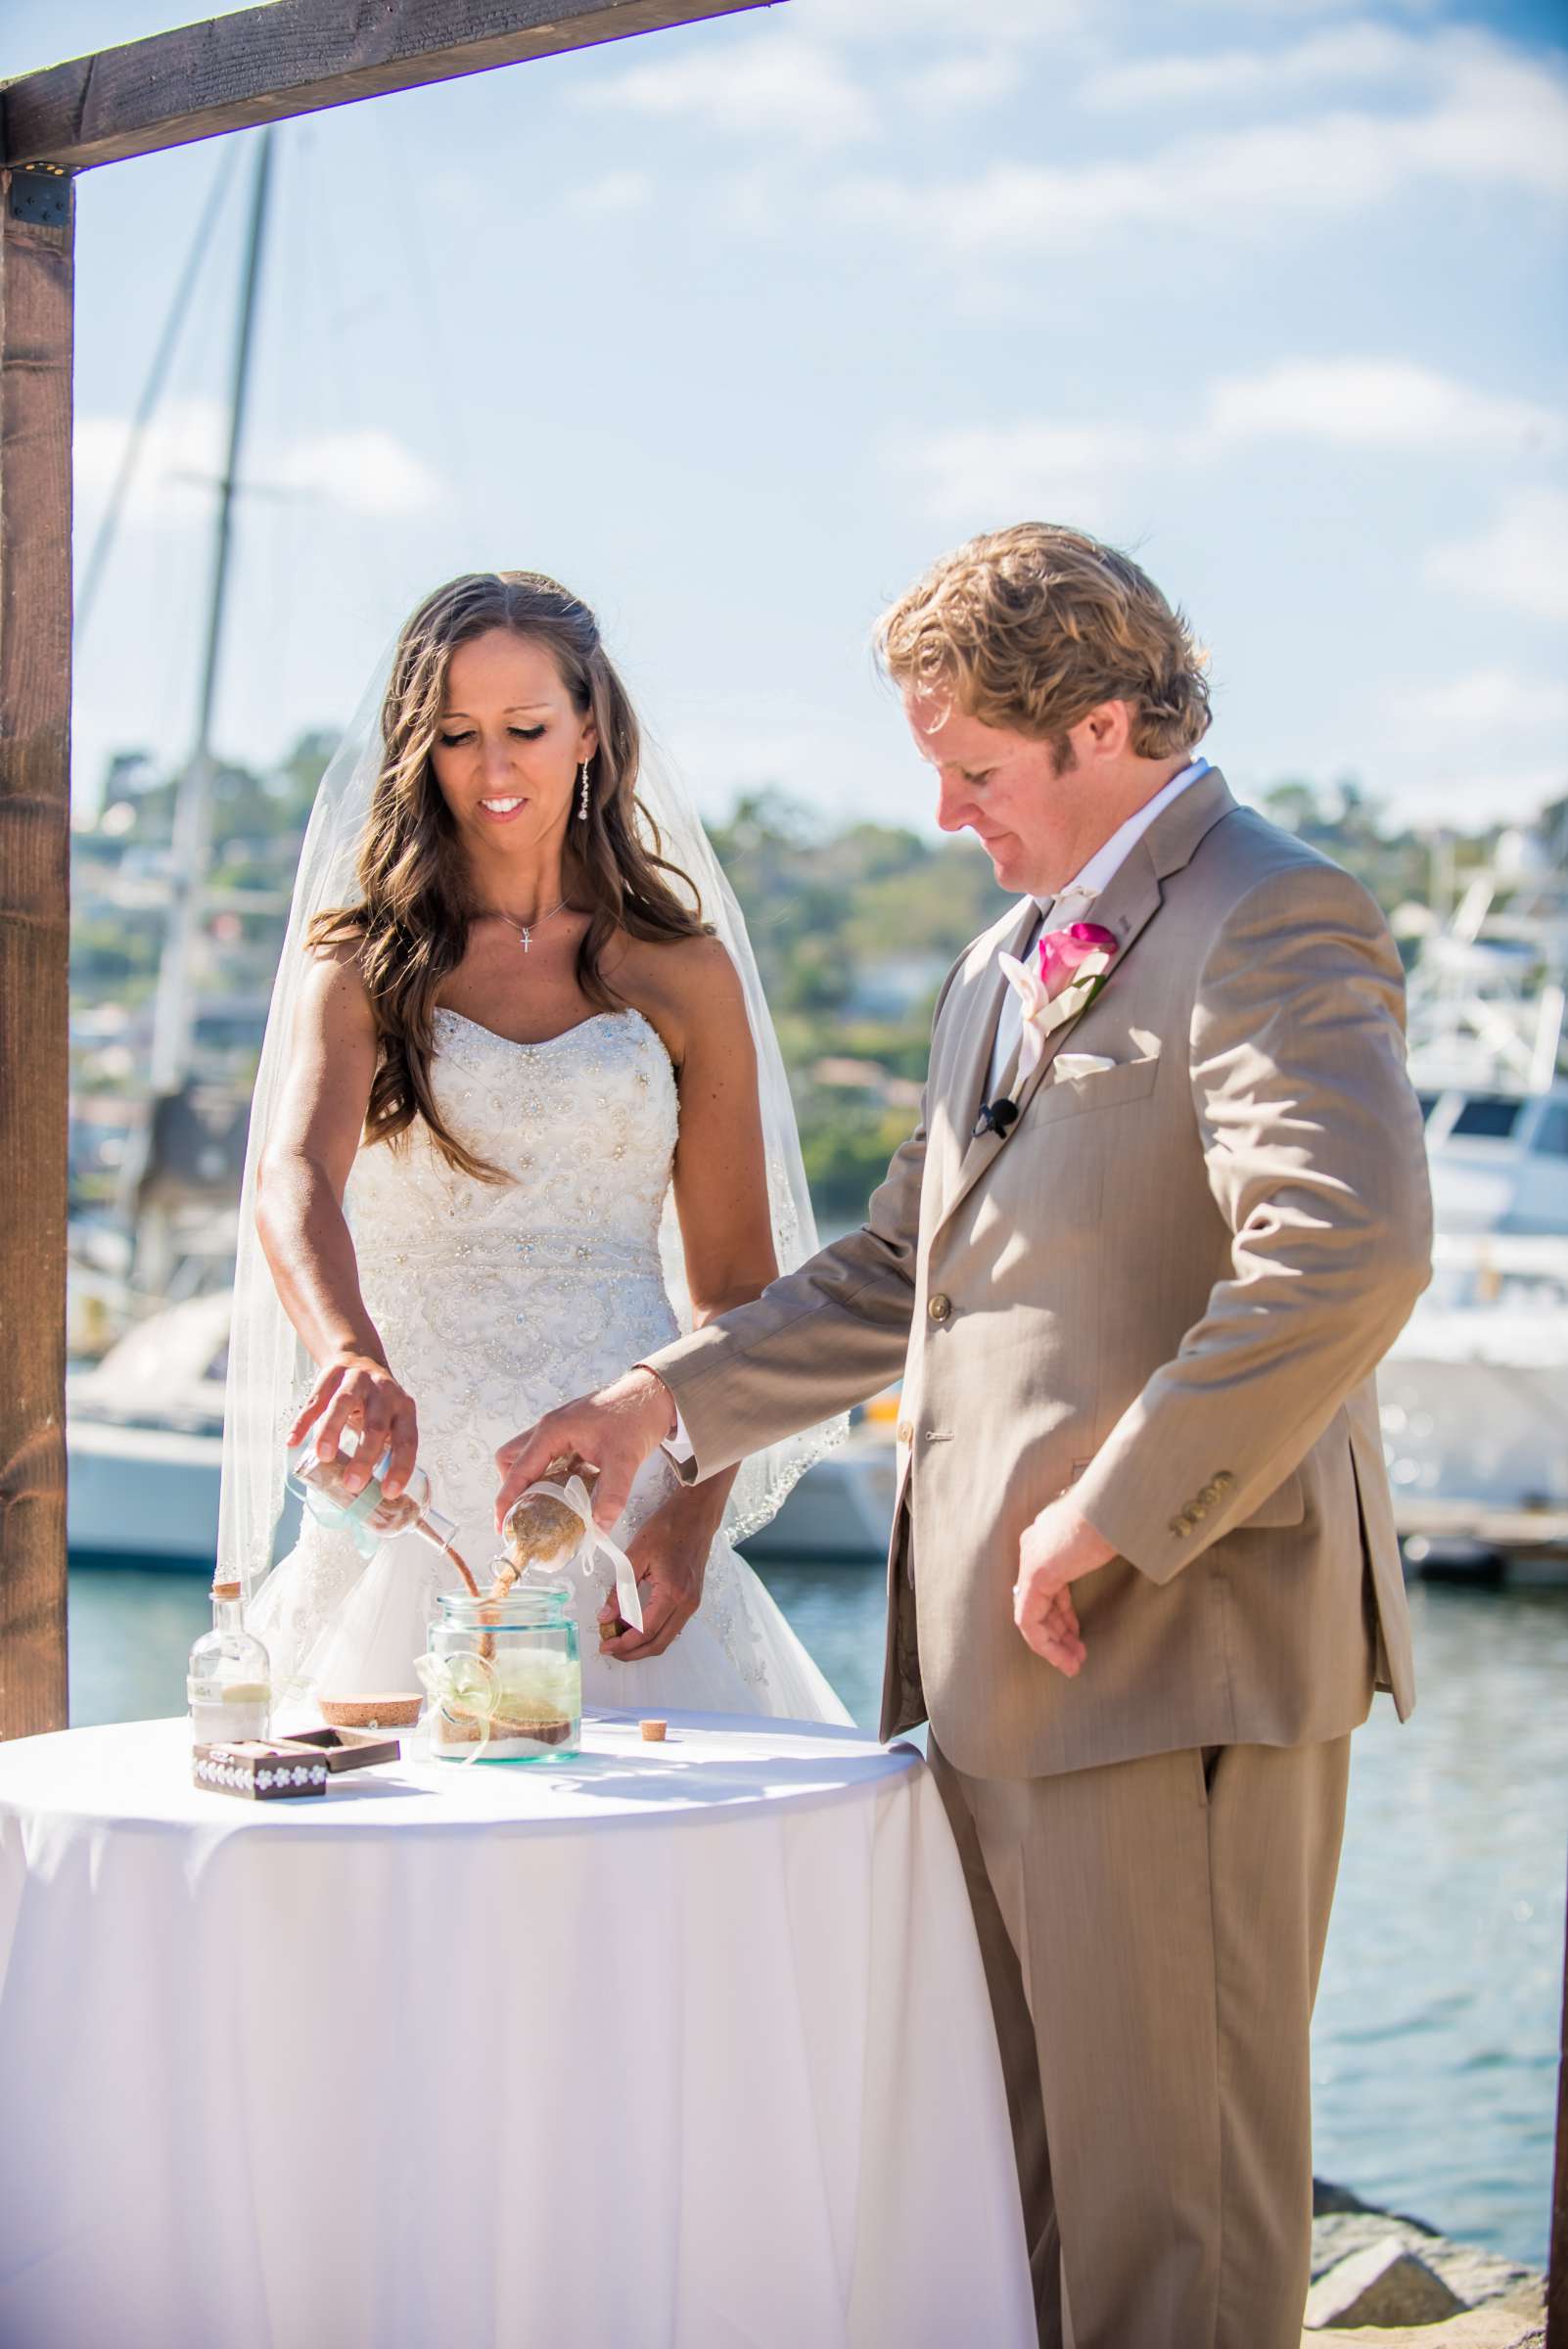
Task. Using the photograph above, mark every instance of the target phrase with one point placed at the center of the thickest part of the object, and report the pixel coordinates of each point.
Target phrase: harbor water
(1437, 2033)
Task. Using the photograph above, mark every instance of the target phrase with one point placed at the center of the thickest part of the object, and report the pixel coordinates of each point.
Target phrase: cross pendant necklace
(526, 930)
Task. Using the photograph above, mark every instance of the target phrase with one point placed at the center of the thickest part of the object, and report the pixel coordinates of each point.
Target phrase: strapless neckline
(543, 1044)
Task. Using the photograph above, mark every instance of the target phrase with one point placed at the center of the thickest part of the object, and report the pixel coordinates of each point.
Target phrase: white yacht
(1486, 1010)
(1499, 1160)
(145, 1436)
(1474, 1400)
(1475, 1391)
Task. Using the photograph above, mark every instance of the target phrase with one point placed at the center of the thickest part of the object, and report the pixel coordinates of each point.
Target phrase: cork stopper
(225, 1589)
(653, 1731)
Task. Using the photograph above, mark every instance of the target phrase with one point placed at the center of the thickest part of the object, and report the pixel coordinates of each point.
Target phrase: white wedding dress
(495, 1302)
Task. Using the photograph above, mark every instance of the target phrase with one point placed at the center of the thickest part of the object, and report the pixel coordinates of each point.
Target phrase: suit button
(939, 1308)
(904, 1432)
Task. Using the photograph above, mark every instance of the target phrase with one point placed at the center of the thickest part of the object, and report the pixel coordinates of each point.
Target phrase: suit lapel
(1126, 905)
(976, 1041)
(1129, 903)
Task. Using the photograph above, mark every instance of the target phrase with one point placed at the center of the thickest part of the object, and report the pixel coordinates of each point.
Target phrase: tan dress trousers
(1153, 1933)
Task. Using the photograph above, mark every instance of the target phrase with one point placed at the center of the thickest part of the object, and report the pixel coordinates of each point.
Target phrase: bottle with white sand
(229, 1679)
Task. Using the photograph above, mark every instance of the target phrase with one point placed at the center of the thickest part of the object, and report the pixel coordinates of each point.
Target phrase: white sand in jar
(531, 1702)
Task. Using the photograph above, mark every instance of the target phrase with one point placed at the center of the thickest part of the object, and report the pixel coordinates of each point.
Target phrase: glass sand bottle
(229, 1677)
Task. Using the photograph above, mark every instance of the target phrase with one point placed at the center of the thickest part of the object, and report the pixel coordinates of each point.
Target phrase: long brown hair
(409, 930)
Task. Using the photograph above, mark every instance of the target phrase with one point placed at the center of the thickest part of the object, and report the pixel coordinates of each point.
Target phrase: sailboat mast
(192, 848)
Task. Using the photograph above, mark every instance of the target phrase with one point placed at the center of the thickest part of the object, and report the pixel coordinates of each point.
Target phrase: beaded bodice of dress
(496, 1301)
(585, 1127)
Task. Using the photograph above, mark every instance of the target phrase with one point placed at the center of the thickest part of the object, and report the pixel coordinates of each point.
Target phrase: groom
(1166, 1209)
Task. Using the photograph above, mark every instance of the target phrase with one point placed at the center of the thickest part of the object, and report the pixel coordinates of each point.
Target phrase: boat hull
(145, 1492)
(148, 1494)
(841, 1512)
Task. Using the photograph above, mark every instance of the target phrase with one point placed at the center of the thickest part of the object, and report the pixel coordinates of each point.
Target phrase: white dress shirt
(1072, 902)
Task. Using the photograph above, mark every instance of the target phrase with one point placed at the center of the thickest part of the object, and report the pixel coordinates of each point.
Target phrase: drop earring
(582, 799)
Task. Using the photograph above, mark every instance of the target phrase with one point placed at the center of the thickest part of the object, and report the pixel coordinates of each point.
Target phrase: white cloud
(1458, 788)
(1503, 121)
(1520, 561)
(1064, 471)
(1488, 702)
(615, 194)
(812, 82)
(179, 459)
(367, 471)
(1219, 186)
(1353, 54)
(1379, 404)
(767, 86)
(1294, 11)
(1066, 466)
(952, 84)
(1034, 21)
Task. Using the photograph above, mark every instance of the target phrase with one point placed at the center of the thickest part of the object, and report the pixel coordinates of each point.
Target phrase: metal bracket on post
(40, 193)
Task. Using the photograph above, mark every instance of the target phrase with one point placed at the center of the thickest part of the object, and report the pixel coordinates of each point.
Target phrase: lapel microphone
(999, 1117)
(995, 1116)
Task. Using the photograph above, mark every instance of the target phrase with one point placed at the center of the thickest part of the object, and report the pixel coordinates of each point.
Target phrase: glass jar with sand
(502, 1676)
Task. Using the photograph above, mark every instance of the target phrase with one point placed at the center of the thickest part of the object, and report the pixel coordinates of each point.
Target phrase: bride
(510, 1050)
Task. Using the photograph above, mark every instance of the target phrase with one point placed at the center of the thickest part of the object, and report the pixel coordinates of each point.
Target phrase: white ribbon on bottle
(595, 1545)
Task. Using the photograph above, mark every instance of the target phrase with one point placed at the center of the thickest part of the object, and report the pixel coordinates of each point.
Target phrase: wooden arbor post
(35, 335)
(1557, 2256)
(264, 65)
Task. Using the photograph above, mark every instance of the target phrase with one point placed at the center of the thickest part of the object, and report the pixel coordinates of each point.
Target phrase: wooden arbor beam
(35, 340)
(296, 57)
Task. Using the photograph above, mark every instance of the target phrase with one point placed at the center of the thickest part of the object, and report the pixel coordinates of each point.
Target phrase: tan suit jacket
(1168, 1286)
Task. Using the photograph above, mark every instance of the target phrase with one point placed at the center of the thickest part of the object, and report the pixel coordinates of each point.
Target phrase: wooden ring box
(263, 1769)
(347, 1749)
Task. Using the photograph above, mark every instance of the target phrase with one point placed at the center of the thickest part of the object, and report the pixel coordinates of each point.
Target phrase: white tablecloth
(679, 2048)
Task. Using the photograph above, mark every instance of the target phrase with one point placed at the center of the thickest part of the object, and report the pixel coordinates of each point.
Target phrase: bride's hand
(669, 1555)
(356, 1391)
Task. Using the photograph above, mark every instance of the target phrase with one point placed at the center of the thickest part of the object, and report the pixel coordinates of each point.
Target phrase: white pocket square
(1068, 1065)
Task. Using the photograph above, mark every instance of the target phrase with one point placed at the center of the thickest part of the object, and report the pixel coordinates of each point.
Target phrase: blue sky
(735, 327)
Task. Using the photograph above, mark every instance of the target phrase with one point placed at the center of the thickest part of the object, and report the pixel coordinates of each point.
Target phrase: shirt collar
(1097, 875)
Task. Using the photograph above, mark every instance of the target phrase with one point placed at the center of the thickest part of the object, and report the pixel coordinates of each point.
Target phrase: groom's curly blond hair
(1032, 627)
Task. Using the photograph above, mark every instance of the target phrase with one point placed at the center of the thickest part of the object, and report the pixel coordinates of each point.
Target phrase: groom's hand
(669, 1555)
(615, 1430)
(1053, 1551)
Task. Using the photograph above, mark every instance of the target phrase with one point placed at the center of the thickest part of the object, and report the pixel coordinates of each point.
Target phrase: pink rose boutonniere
(1072, 967)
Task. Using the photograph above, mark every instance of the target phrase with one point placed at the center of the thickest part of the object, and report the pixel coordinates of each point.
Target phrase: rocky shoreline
(1379, 2276)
